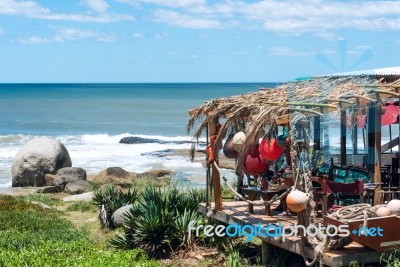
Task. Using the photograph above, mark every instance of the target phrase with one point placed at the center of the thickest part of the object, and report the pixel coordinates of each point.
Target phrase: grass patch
(42, 198)
(33, 236)
(82, 207)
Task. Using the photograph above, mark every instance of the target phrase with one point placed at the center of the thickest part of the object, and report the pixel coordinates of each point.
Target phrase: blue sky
(193, 40)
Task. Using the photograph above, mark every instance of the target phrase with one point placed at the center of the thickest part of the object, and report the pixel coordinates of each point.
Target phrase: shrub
(158, 221)
(110, 200)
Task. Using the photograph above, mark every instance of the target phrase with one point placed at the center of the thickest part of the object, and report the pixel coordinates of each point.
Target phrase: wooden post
(266, 250)
(343, 160)
(212, 126)
(371, 137)
(377, 149)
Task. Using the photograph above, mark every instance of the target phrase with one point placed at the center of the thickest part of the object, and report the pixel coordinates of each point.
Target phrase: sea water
(91, 119)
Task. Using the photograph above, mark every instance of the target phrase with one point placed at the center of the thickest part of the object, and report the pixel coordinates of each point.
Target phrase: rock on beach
(36, 158)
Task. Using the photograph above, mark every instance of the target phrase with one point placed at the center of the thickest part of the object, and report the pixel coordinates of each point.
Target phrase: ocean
(91, 119)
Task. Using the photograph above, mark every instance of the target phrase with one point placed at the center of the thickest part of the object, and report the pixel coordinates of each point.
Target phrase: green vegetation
(81, 206)
(33, 236)
(391, 258)
(42, 198)
(158, 221)
(110, 200)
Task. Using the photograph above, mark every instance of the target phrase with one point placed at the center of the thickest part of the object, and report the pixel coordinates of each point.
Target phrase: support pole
(208, 177)
(378, 153)
(212, 126)
(371, 137)
(343, 160)
(266, 250)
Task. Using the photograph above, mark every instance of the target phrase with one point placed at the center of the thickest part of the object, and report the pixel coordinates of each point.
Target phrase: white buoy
(394, 206)
(296, 200)
(238, 140)
(382, 212)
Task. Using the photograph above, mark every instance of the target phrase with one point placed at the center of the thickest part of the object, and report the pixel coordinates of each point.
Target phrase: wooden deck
(237, 212)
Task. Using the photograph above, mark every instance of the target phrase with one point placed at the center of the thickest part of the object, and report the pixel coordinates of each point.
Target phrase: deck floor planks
(237, 212)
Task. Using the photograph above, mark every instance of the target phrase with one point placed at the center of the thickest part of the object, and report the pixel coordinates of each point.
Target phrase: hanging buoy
(229, 150)
(269, 149)
(382, 212)
(238, 140)
(254, 164)
(297, 201)
(394, 207)
(210, 154)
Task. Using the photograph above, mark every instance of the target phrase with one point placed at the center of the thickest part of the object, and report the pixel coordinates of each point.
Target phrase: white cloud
(169, 3)
(69, 34)
(184, 20)
(33, 40)
(138, 35)
(133, 3)
(294, 17)
(32, 9)
(288, 51)
(161, 35)
(96, 5)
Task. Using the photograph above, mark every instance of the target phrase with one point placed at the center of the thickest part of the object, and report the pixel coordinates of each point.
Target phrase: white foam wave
(96, 152)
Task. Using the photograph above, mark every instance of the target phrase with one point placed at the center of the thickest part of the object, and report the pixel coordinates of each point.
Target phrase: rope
(349, 213)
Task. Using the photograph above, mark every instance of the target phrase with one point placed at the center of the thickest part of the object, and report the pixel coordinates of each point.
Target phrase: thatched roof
(314, 96)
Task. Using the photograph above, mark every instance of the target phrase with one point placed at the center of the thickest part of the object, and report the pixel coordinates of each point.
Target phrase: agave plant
(182, 222)
(110, 200)
(158, 221)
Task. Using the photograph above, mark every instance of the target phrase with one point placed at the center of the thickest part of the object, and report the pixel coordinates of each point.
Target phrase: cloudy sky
(193, 40)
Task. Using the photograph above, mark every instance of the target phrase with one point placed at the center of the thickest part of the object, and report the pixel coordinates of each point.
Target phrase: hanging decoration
(297, 201)
(238, 140)
(228, 149)
(390, 113)
(270, 150)
(254, 164)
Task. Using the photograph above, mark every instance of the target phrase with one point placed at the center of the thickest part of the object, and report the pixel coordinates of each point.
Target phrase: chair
(340, 192)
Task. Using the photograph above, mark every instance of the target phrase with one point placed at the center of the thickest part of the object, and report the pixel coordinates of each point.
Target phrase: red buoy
(270, 150)
(254, 164)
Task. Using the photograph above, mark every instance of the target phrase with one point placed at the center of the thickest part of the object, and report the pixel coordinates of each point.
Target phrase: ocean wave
(96, 152)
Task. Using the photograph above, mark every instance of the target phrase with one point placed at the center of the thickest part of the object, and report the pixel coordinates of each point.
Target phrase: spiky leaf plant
(158, 221)
(110, 200)
(182, 227)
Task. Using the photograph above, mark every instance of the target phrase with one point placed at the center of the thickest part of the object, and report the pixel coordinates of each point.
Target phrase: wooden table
(266, 195)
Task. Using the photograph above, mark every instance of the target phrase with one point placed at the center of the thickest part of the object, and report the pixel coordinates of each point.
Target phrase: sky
(193, 40)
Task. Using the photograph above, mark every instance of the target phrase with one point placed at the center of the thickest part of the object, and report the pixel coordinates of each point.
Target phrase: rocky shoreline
(44, 165)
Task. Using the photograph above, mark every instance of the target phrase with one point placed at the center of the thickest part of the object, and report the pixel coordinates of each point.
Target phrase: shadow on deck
(237, 212)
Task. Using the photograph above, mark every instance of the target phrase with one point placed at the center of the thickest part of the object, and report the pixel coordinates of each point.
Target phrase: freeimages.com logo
(279, 230)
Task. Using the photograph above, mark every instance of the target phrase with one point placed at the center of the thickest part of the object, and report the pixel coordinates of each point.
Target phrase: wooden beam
(370, 137)
(215, 176)
(389, 145)
(377, 149)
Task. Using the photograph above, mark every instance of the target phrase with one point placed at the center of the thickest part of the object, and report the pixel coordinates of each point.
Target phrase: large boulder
(69, 174)
(119, 215)
(114, 175)
(36, 158)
